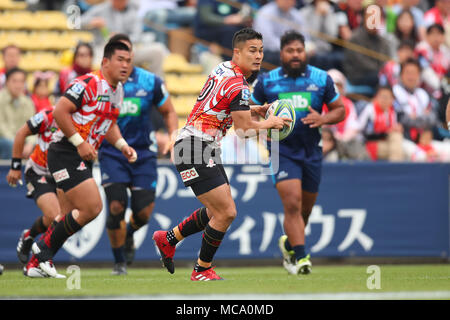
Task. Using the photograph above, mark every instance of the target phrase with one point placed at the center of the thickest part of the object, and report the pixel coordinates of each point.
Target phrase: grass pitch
(325, 282)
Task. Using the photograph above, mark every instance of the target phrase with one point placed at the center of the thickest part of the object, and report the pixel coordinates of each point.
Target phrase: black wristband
(16, 164)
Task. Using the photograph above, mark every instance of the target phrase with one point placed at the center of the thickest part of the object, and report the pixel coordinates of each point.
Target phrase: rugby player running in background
(40, 183)
(86, 114)
(300, 154)
(224, 100)
(143, 90)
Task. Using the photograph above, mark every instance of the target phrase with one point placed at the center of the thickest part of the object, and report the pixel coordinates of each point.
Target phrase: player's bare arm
(171, 121)
(258, 110)
(336, 114)
(114, 137)
(246, 127)
(15, 173)
(62, 115)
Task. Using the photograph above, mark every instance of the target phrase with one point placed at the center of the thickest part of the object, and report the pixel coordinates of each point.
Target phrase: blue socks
(299, 250)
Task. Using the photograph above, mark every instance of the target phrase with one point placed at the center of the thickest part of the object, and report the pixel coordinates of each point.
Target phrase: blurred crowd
(389, 60)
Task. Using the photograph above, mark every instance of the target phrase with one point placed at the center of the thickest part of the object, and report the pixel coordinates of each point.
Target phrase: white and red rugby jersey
(225, 90)
(98, 106)
(44, 126)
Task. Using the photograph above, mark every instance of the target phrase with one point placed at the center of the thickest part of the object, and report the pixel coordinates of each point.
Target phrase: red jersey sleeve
(238, 93)
(40, 121)
(82, 90)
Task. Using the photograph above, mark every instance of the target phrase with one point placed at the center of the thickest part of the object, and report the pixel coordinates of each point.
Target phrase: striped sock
(210, 243)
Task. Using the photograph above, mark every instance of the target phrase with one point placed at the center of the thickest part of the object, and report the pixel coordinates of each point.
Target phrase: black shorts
(66, 165)
(37, 185)
(199, 165)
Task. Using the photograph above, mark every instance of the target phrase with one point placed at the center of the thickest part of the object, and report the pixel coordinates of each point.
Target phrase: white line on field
(299, 296)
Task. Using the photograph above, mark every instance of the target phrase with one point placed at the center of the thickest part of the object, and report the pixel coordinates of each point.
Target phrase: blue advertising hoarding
(363, 210)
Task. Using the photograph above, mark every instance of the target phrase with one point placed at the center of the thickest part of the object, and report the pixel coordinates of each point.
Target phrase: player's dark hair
(410, 61)
(81, 45)
(289, 36)
(118, 37)
(244, 35)
(111, 48)
(11, 71)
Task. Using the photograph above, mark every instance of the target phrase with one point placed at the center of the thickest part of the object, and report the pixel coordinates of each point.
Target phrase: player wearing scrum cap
(86, 115)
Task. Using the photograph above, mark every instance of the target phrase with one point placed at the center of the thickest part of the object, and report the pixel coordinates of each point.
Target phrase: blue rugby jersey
(313, 88)
(143, 90)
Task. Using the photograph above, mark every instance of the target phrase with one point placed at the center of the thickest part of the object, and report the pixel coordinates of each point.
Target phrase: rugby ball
(285, 109)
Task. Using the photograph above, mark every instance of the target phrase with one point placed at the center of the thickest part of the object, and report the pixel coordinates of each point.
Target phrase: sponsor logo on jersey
(301, 100)
(188, 174)
(245, 94)
(312, 87)
(130, 107)
(104, 98)
(141, 93)
(37, 119)
(61, 175)
(76, 90)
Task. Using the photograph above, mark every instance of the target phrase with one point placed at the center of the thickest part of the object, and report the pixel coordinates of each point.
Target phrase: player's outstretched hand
(86, 151)
(313, 119)
(13, 177)
(129, 153)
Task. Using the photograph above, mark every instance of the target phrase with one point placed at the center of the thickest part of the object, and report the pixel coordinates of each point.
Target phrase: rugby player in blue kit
(142, 90)
(300, 154)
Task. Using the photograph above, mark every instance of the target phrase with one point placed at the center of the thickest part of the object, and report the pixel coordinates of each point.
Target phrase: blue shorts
(309, 172)
(141, 174)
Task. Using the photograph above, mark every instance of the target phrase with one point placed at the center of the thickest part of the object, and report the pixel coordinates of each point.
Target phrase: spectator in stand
(83, 5)
(434, 58)
(347, 132)
(165, 12)
(413, 105)
(82, 64)
(324, 23)
(329, 146)
(424, 142)
(41, 92)
(378, 122)
(390, 73)
(272, 21)
(359, 67)
(11, 59)
(15, 109)
(405, 29)
(440, 14)
(121, 16)
(216, 22)
(354, 12)
(417, 13)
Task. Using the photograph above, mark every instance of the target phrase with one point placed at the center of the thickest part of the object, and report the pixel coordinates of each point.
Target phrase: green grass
(249, 280)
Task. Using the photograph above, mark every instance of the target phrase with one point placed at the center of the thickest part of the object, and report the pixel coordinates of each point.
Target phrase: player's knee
(115, 216)
(116, 208)
(292, 208)
(142, 205)
(116, 195)
(229, 214)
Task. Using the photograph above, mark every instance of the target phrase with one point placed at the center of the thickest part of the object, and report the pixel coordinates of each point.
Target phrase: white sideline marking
(401, 295)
